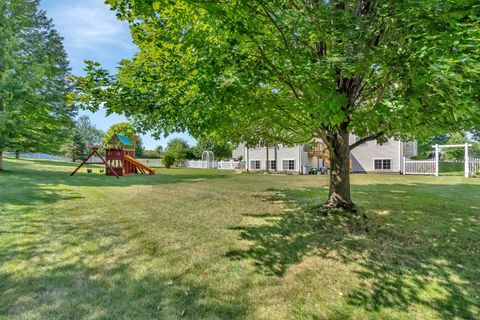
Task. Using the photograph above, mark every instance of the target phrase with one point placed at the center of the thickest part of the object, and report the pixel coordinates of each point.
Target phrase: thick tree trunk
(1, 160)
(339, 195)
(17, 155)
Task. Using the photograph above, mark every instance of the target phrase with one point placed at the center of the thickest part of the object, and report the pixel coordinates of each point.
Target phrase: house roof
(124, 140)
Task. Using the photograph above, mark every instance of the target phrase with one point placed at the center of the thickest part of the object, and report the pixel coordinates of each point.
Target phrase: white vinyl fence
(474, 167)
(430, 167)
(423, 167)
(37, 155)
(152, 162)
(221, 165)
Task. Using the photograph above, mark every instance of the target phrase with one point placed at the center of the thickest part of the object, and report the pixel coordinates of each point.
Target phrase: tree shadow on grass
(421, 248)
(90, 269)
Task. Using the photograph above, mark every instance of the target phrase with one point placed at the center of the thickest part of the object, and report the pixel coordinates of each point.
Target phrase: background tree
(75, 149)
(476, 134)
(159, 150)
(150, 154)
(178, 149)
(304, 69)
(455, 153)
(88, 131)
(474, 150)
(425, 148)
(139, 148)
(221, 150)
(33, 81)
(123, 128)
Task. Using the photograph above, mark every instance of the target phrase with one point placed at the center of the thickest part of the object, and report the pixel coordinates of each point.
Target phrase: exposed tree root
(343, 207)
(330, 205)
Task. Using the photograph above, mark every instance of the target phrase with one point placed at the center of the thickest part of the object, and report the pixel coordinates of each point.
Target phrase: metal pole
(467, 173)
(436, 160)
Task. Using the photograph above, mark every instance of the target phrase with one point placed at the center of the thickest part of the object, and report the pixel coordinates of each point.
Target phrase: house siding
(364, 155)
(239, 152)
(279, 154)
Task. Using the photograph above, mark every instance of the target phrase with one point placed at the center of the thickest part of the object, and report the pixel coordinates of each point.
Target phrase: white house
(368, 157)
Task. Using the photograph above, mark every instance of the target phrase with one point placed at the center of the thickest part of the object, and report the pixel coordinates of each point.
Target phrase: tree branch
(366, 139)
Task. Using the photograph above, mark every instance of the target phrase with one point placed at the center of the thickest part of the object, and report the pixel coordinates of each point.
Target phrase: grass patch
(207, 244)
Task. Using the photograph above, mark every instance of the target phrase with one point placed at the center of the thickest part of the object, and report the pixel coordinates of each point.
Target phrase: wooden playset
(119, 160)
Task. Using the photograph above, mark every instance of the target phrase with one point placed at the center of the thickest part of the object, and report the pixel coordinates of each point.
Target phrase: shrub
(168, 160)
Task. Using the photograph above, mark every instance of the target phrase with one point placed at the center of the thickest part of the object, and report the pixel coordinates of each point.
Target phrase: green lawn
(205, 244)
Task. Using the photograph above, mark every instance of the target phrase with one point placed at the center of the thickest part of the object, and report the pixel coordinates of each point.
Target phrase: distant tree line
(85, 133)
(178, 150)
(425, 146)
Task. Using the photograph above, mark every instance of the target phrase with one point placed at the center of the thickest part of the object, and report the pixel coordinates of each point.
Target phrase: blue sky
(91, 31)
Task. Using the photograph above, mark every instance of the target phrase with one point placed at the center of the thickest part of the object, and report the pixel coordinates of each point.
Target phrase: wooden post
(436, 160)
(94, 151)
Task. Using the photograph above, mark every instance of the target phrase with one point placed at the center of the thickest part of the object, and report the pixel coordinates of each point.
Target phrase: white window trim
(250, 164)
(290, 159)
(391, 164)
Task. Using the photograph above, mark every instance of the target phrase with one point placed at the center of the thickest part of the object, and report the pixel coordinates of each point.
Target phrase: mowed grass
(207, 244)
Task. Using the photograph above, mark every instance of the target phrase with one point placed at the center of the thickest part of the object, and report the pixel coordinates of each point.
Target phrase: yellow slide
(140, 166)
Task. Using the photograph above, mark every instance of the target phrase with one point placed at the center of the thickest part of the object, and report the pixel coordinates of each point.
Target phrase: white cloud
(90, 31)
(86, 24)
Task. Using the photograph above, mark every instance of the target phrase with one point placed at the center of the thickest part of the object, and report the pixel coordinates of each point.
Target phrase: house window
(288, 164)
(255, 164)
(382, 164)
(272, 165)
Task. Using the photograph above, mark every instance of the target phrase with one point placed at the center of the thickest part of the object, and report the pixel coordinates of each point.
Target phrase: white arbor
(431, 167)
(208, 159)
(467, 160)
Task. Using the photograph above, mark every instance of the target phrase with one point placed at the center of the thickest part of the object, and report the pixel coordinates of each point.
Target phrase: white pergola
(442, 146)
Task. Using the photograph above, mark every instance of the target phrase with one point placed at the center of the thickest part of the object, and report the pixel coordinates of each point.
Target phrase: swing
(89, 168)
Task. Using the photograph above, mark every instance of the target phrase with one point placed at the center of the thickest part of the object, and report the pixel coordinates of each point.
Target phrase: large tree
(33, 80)
(304, 68)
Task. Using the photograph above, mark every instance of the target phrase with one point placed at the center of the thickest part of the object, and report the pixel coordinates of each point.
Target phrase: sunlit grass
(206, 244)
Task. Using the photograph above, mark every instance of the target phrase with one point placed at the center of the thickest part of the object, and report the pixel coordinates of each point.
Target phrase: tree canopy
(302, 69)
(34, 115)
(123, 128)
